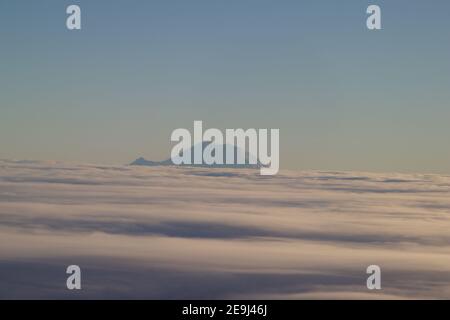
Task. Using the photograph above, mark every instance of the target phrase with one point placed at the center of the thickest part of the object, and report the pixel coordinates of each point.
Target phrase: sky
(343, 97)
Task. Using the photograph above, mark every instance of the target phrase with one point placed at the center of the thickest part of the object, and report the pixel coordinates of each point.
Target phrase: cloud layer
(172, 232)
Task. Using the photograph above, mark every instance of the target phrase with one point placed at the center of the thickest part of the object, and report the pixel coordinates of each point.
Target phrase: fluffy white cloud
(162, 232)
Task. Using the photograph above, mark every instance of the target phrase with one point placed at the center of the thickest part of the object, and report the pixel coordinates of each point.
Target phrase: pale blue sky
(343, 97)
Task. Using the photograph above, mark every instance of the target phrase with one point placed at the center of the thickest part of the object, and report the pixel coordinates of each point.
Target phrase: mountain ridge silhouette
(141, 161)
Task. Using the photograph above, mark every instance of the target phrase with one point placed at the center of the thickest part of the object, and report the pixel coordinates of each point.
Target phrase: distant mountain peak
(141, 161)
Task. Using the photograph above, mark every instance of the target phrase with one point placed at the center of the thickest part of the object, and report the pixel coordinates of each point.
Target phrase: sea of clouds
(199, 233)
